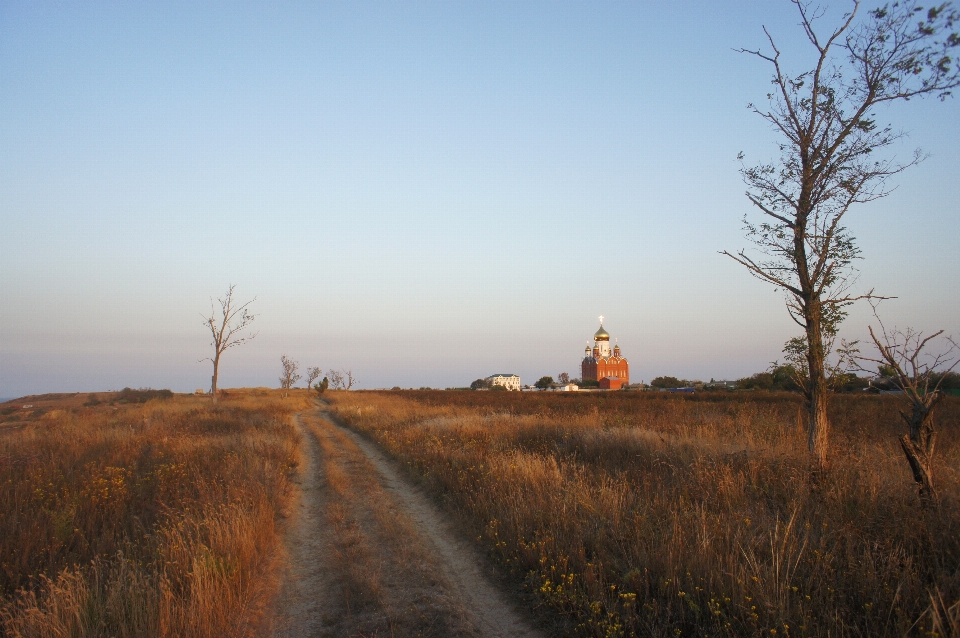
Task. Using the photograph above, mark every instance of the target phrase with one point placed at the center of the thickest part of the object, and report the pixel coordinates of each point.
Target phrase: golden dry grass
(154, 519)
(696, 516)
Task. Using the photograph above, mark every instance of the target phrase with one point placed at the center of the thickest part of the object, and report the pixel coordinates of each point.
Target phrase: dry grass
(157, 519)
(665, 515)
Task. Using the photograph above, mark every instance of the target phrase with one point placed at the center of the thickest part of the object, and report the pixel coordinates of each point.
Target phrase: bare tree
(919, 375)
(348, 379)
(226, 330)
(336, 379)
(312, 375)
(563, 378)
(829, 162)
(290, 375)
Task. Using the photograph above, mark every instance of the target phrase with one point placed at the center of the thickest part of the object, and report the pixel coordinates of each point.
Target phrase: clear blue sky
(424, 193)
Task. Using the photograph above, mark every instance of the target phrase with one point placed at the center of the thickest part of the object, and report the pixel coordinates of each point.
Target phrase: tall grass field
(142, 514)
(661, 515)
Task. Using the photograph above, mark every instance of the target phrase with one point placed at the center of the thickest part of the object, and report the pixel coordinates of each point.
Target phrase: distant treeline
(784, 378)
(129, 395)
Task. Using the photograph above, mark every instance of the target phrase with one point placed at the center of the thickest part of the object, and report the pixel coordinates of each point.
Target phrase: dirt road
(369, 555)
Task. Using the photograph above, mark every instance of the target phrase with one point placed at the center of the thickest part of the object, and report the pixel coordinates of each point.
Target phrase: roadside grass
(143, 519)
(696, 516)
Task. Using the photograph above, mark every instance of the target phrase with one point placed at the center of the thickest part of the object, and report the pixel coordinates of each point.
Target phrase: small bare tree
(226, 330)
(348, 379)
(563, 378)
(290, 375)
(336, 379)
(919, 375)
(312, 375)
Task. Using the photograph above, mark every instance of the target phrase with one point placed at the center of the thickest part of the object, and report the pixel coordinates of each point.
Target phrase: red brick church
(608, 368)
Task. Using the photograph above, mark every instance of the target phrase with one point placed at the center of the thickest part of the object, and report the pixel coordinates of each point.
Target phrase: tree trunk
(922, 468)
(213, 384)
(818, 426)
(918, 446)
(817, 391)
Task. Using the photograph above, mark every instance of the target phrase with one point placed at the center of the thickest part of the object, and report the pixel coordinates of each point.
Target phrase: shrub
(129, 395)
(322, 386)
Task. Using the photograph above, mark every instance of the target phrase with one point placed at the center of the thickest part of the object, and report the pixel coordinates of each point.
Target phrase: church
(610, 369)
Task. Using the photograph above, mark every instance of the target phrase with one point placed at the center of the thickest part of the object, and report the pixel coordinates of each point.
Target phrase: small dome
(601, 335)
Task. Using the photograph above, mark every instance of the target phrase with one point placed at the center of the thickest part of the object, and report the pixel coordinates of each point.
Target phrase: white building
(509, 381)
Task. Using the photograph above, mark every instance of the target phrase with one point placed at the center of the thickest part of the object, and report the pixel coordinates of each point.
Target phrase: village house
(509, 381)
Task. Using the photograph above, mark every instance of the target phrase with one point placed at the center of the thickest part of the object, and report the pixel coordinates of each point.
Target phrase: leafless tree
(290, 375)
(563, 378)
(336, 379)
(227, 328)
(829, 161)
(348, 379)
(919, 375)
(312, 375)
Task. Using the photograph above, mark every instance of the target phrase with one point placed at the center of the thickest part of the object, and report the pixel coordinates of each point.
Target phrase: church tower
(609, 368)
(602, 339)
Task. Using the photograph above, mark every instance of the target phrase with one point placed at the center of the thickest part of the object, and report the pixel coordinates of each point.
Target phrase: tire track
(369, 555)
(456, 562)
(306, 595)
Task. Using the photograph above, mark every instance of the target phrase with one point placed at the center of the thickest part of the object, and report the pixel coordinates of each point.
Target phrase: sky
(423, 193)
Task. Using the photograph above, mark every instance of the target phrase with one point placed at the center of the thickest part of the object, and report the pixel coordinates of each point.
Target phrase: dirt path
(306, 592)
(369, 555)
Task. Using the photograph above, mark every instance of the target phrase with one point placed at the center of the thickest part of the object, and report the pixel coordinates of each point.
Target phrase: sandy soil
(370, 555)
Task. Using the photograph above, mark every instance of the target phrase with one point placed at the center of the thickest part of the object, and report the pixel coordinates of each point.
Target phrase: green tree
(758, 381)
(480, 384)
(829, 161)
(667, 382)
(322, 386)
(543, 383)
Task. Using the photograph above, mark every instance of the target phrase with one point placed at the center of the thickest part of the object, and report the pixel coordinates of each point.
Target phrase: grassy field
(142, 519)
(649, 514)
